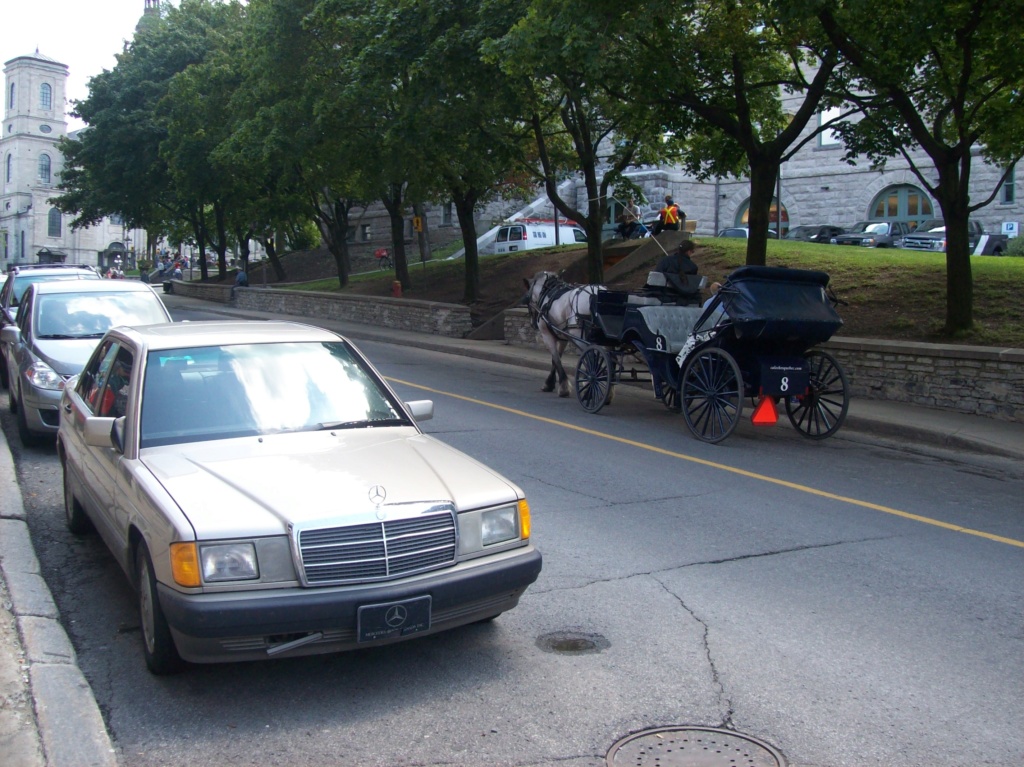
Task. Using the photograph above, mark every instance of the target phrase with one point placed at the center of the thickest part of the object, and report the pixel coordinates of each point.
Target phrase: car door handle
(67, 408)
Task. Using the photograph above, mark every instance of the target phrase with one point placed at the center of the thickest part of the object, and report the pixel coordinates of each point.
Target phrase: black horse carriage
(754, 339)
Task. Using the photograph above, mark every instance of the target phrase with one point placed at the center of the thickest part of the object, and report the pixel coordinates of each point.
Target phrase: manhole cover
(692, 747)
(572, 642)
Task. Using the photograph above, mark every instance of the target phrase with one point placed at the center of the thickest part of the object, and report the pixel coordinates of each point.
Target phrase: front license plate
(393, 619)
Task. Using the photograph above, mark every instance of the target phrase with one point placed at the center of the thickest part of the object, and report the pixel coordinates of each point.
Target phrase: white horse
(555, 307)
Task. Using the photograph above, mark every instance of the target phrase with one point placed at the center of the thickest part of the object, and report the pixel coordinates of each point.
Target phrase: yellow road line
(723, 467)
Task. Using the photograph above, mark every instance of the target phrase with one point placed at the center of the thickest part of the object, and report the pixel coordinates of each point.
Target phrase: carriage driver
(675, 267)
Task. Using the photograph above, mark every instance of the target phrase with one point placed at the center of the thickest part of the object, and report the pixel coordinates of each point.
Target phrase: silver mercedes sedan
(269, 495)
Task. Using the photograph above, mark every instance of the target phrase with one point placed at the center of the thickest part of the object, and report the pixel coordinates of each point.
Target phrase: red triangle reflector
(765, 414)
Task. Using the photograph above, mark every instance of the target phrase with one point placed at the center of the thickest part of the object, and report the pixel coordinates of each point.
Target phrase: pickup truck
(931, 236)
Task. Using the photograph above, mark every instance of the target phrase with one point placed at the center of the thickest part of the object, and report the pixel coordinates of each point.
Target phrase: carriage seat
(684, 289)
(673, 323)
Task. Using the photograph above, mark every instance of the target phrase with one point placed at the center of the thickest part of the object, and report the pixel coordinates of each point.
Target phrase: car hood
(260, 485)
(67, 357)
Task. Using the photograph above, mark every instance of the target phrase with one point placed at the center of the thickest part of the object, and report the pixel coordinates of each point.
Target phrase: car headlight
(867, 242)
(229, 562)
(42, 376)
(499, 525)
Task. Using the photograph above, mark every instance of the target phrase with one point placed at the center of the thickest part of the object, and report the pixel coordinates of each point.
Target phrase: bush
(1015, 247)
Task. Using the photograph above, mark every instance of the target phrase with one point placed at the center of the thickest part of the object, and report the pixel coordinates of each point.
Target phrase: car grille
(377, 551)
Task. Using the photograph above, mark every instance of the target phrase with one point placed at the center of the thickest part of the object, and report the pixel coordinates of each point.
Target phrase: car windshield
(931, 225)
(90, 315)
(872, 227)
(219, 392)
(800, 232)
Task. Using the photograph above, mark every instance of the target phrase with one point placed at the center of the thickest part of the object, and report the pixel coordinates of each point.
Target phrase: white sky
(84, 34)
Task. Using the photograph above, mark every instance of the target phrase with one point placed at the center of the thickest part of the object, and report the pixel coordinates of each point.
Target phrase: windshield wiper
(366, 423)
(56, 337)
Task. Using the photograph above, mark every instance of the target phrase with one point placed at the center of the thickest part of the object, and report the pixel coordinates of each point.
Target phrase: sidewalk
(48, 715)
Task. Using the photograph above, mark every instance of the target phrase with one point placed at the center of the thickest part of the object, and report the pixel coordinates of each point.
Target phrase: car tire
(12, 402)
(3, 371)
(157, 643)
(74, 515)
(28, 437)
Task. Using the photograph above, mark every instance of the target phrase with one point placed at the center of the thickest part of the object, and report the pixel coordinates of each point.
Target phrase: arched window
(773, 216)
(45, 96)
(9, 169)
(53, 223)
(10, 101)
(901, 203)
(44, 169)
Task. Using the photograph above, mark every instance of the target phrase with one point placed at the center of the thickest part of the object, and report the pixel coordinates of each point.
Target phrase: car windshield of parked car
(220, 392)
(90, 315)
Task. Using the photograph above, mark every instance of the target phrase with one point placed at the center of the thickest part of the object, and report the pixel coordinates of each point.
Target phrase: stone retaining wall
(968, 379)
(406, 314)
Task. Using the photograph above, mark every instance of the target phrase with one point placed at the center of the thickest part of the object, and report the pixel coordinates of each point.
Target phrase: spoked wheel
(671, 399)
(594, 378)
(821, 412)
(712, 394)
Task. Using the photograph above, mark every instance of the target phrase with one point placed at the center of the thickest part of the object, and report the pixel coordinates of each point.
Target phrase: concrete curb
(68, 723)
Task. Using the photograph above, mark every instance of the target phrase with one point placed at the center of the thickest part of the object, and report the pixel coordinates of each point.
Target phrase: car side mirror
(11, 334)
(421, 409)
(117, 434)
(98, 431)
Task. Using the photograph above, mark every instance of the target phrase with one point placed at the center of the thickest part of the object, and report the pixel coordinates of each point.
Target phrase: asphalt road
(798, 592)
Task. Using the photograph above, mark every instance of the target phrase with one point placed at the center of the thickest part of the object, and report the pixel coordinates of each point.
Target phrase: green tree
(735, 86)
(565, 56)
(951, 85)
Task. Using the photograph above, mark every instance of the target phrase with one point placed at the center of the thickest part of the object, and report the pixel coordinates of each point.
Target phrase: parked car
(874, 234)
(58, 325)
(931, 236)
(19, 277)
(822, 233)
(529, 234)
(744, 231)
(270, 495)
(734, 231)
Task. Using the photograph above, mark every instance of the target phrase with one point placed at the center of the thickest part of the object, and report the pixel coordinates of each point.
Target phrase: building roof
(38, 57)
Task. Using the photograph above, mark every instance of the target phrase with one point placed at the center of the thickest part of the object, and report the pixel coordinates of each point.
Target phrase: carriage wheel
(594, 378)
(821, 412)
(671, 399)
(712, 394)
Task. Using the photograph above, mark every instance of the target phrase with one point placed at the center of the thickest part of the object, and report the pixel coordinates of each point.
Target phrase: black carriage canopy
(779, 303)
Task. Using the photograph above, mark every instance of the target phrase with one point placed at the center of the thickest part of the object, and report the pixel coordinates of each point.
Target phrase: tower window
(53, 223)
(44, 169)
(45, 96)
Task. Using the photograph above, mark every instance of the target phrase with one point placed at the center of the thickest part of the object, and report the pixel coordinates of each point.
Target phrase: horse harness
(552, 289)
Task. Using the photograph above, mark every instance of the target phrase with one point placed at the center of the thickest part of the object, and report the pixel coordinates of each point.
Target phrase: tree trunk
(422, 236)
(396, 209)
(762, 192)
(275, 260)
(959, 280)
(465, 204)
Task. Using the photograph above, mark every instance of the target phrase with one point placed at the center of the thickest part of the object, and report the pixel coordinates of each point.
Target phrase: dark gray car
(874, 234)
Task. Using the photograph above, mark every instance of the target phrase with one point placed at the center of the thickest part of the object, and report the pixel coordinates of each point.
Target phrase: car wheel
(157, 643)
(12, 402)
(3, 371)
(74, 515)
(28, 437)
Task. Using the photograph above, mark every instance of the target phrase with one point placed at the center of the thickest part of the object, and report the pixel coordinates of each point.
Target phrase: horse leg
(552, 346)
(563, 379)
(549, 382)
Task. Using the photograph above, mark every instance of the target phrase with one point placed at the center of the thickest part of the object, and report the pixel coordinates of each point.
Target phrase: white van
(527, 234)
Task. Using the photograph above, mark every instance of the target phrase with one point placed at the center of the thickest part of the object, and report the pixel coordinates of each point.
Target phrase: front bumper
(210, 628)
(42, 408)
